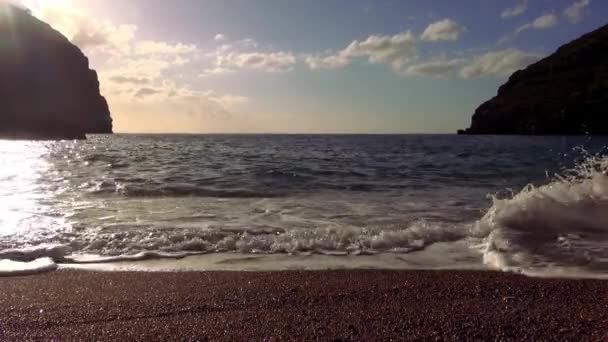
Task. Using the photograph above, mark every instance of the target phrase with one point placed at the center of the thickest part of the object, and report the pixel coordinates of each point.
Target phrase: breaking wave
(560, 227)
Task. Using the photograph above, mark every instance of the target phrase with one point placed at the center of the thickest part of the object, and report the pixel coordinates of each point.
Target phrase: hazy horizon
(335, 67)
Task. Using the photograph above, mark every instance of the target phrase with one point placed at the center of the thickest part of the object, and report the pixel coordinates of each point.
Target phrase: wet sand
(326, 305)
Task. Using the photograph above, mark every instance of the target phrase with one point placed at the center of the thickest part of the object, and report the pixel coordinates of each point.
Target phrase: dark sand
(331, 305)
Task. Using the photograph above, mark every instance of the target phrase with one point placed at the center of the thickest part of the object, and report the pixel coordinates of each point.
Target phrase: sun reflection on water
(22, 168)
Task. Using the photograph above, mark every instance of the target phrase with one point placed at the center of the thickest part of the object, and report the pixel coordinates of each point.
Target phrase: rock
(565, 93)
(47, 90)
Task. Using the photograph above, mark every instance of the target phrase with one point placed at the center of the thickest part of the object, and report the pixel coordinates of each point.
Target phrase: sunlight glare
(22, 166)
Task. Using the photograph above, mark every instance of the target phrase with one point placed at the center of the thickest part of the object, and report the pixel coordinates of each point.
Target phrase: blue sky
(310, 66)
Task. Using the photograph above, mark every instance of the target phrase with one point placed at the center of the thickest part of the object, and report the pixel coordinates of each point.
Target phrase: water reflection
(24, 199)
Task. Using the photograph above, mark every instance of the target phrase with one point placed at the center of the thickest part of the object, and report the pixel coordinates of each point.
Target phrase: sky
(314, 66)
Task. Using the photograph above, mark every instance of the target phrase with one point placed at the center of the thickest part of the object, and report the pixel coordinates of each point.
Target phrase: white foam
(18, 268)
(28, 254)
(559, 228)
(96, 259)
(439, 256)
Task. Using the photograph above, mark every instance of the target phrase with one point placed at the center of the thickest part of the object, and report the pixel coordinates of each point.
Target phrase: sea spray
(563, 224)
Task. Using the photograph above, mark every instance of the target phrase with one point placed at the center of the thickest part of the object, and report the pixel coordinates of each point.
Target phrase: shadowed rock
(565, 93)
(47, 90)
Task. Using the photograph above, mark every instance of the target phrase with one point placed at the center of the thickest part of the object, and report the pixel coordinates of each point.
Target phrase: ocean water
(536, 205)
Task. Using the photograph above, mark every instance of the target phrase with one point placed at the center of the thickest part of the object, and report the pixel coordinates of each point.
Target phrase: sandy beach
(326, 305)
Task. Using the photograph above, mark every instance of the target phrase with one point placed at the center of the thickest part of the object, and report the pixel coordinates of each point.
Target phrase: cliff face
(565, 93)
(46, 87)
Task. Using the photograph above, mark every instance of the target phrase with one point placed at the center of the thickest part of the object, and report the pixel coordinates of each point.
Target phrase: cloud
(149, 47)
(498, 63)
(541, 23)
(545, 21)
(144, 92)
(445, 29)
(516, 11)
(225, 100)
(327, 62)
(136, 68)
(396, 50)
(128, 76)
(216, 71)
(129, 80)
(261, 61)
(96, 35)
(219, 37)
(574, 13)
(244, 55)
(438, 68)
(176, 99)
(168, 92)
(89, 33)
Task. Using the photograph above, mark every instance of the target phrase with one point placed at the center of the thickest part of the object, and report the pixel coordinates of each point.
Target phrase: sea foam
(18, 268)
(558, 228)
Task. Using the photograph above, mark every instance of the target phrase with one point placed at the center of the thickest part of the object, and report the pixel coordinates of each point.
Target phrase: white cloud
(437, 68)
(516, 11)
(244, 55)
(543, 22)
(397, 50)
(498, 63)
(261, 61)
(445, 29)
(219, 37)
(149, 47)
(327, 62)
(574, 13)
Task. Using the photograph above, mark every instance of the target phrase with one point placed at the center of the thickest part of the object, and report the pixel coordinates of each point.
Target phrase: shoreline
(301, 305)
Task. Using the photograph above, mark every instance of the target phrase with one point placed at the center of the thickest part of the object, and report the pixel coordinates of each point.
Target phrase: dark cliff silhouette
(565, 93)
(47, 90)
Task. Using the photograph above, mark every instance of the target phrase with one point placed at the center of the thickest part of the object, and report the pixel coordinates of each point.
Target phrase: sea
(531, 205)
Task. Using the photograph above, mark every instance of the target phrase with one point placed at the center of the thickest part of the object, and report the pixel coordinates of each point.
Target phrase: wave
(272, 240)
(114, 244)
(559, 227)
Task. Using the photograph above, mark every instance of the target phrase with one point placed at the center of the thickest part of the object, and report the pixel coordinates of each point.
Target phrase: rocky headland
(47, 90)
(563, 94)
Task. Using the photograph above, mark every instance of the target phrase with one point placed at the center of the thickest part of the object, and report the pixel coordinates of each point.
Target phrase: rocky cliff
(46, 87)
(565, 93)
